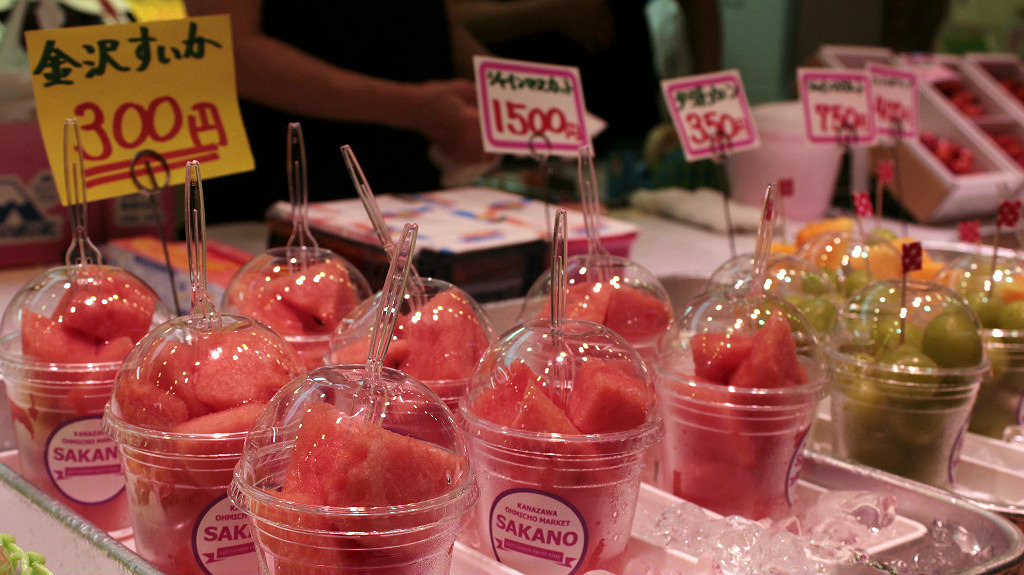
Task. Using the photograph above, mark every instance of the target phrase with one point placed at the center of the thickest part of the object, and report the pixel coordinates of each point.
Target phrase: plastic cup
(902, 391)
(64, 336)
(558, 502)
(736, 447)
(438, 344)
(1000, 401)
(303, 293)
(361, 513)
(181, 408)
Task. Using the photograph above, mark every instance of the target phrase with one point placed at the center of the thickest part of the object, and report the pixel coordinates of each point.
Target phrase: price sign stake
(530, 109)
(166, 86)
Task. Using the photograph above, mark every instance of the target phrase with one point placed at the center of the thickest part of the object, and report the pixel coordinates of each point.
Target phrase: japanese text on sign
(166, 86)
(711, 114)
(528, 108)
(837, 105)
(895, 101)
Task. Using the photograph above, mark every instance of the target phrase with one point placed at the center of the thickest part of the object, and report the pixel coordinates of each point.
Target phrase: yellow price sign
(166, 86)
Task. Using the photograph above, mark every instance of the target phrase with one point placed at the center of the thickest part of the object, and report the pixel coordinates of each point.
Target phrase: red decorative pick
(911, 256)
(886, 171)
(862, 204)
(786, 187)
(970, 231)
(1009, 213)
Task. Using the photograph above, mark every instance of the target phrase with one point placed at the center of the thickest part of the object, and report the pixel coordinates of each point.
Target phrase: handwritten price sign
(711, 114)
(167, 86)
(895, 101)
(528, 108)
(837, 105)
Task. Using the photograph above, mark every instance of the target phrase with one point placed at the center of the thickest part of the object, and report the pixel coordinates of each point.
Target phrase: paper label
(837, 106)
(530, 109)
(795, 465)
(222, 541)
(83, 462)
(165, 86)
(894, 94)
(537, 533)
(711, 114)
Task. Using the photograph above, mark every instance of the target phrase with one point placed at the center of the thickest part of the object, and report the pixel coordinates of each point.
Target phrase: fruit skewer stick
(763, 244)
(298, 194)
(202, 314)
(911, 261)
(884, 174)
(785, 187)
(969, 232)
(375, 394)
(863, 209)
(377, 220)
(81, 251)
(1008, 216)
(563, 377)
(591, 211)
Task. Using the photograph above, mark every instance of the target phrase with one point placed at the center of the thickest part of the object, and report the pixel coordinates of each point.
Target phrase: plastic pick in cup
(301, 290)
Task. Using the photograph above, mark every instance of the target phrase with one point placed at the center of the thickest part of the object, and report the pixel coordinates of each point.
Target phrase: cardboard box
(854, 57)
(491, 243)
(144, 257)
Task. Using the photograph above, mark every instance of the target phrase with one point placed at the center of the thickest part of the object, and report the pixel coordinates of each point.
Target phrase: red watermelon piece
(235, 420)
(537, 412)
(638, 316)
(142, 403)
(47, 340)
(109, 306)
(500, 402)
(445, 339)
(320, 296)
(604, 399)
(717, 355)
(236, 367)
(772, 362)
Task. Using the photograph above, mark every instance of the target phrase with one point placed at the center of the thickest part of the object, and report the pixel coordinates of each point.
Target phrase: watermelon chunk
(234, 420)
(236, 367)
(500, 402)
(638, 316)
(717, 355)
(47, 340)
(604, 399)
(537, 412)
(343, 462)
(445, 339)
(114, 304)
(142, 403)
(772, 362)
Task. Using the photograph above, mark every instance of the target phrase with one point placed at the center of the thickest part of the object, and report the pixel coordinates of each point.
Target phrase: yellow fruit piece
(781, 248)
(817, 227)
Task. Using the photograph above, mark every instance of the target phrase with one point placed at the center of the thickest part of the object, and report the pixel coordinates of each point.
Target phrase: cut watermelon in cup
(903, 389)
(182, 405)
(440, 335)
(559, 470)
(64, 336)
(331, 492)
(740, 379)
(301, 292)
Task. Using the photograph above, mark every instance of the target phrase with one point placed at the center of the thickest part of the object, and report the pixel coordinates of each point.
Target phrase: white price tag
(894, 93)
(837, 105)
(528, 108)
(711, 114)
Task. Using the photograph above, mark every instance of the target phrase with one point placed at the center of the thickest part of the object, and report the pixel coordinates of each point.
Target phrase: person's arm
(703, 34)
(586, 22)
(278, 75)
(464, 45)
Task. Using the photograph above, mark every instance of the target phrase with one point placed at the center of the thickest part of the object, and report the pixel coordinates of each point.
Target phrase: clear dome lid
(440, 335)
(581, 379)
(744, 341)
(787, 276)
(852, 258)
(908, 326)
(298, 291)
(995, 294)
(614, 291)
(206, 379)
(79, 314)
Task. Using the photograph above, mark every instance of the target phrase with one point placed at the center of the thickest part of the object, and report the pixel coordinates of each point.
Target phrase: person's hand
(589, 23)
(449, 119)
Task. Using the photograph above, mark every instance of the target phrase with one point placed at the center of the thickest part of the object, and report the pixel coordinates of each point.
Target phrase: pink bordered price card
(894, 98)
(528, 108)
(711, 114)
(837, 105)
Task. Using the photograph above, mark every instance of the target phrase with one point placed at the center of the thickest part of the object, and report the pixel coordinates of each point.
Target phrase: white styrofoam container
(988, 69)
(855, 57)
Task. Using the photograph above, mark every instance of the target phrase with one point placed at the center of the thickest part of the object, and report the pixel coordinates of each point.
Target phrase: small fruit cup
(907, 360)
(852, 259)
(740, 378)
(64, 336)
(303, 293)
(440, 335)
(181, 408)
(559, 422)
(998, 300)
(335, 484)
